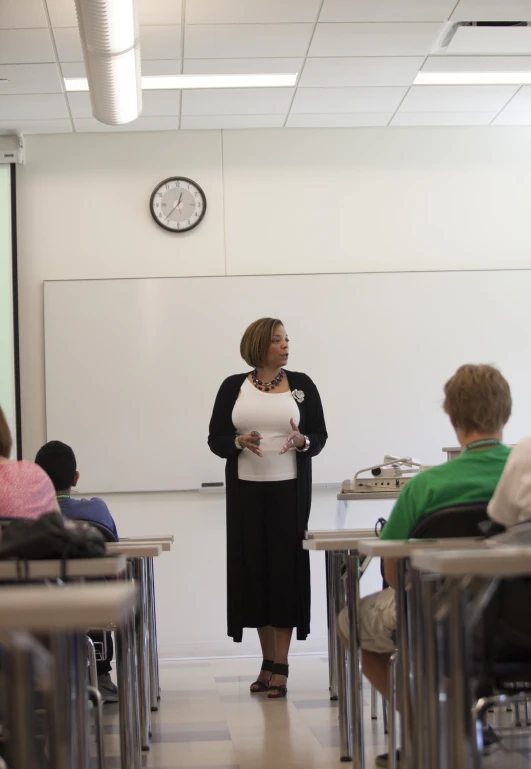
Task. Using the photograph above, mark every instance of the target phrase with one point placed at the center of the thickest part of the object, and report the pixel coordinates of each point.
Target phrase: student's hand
(251, 442)
(294, 439)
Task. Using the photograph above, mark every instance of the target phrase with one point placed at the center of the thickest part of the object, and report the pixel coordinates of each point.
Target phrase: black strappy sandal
(258, 687)
(278, 692)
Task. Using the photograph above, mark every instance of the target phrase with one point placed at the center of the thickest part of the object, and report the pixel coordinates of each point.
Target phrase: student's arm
(389, 570)
(511, 501)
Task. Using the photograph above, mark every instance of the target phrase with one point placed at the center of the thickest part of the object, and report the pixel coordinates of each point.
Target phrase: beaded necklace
(266, 386)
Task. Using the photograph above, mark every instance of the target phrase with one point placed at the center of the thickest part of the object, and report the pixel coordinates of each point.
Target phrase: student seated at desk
(511, 503)
(59, 462)
(478, 403)
(25, 490)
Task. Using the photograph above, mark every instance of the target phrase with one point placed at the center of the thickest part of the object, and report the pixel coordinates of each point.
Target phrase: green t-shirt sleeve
(405, 513)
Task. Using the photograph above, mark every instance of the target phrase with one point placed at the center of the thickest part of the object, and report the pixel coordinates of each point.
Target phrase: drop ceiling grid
(356, 62)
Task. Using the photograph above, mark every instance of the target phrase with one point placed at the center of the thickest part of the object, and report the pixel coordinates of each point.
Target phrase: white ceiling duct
(109, 37)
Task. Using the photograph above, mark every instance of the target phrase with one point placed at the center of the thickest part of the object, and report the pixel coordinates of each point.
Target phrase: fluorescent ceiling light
(111, 51)
(179, 82)
(473, 78)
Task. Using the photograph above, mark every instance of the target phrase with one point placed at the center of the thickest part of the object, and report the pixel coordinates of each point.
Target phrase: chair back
(455, 521)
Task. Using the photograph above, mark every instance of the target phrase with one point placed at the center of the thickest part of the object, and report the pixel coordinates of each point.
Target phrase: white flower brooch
(298, 395)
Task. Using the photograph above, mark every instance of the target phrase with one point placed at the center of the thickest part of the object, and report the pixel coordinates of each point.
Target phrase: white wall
(278, 202)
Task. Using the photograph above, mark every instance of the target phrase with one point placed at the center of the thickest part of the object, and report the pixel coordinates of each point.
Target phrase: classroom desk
(126, 646)
(165, 541)
(349, 690)
(62, 613)
(491, 563)
(139, 553)
(409, 689)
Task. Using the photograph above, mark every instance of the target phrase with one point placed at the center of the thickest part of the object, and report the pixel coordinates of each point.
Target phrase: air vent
(487, 38)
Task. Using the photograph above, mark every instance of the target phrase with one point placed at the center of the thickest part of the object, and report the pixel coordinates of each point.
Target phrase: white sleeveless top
(269, 414)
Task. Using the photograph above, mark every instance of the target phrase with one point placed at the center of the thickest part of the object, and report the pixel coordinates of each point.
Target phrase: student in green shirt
(478, 403)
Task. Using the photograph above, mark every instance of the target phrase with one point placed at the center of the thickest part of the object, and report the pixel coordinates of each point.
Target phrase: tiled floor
(208, 720)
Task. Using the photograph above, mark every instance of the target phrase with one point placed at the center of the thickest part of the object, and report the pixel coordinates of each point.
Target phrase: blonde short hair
(6, 443)
(478, 399)
(256, 340)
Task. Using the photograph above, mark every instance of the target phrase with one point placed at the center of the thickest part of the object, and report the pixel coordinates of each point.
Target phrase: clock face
(178, 204)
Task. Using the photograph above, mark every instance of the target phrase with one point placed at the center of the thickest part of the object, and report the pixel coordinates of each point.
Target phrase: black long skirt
(270, 543)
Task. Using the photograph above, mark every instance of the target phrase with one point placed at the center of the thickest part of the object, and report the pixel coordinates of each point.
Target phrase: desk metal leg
(403, 681)
(130, 752)
(142, 631)
(21, 749)
(342, 687)
(356, 695)
(460, 710)
(79, 647)
(332, 628)
(153, 641)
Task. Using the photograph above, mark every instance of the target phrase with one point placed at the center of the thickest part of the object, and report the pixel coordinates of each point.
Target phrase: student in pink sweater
(25, 489)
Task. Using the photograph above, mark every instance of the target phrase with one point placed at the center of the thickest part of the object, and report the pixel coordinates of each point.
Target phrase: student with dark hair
(59, 462)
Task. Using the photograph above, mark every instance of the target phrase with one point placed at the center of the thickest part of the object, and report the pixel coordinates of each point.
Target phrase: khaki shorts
(377, 622)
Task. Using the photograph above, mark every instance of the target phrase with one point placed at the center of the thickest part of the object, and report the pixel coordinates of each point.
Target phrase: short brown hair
(478, 399)
(256, 340)
(6, 443)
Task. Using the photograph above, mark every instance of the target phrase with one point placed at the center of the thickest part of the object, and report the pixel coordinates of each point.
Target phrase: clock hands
(176, 204)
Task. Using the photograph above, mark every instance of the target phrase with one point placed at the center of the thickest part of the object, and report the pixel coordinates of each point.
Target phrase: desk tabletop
(500, 561)
(165, 541)
(337, 533)
(357, 496)
(41, 608)
(134, 550)
(76, 568)
(341, 543)
(401, 548)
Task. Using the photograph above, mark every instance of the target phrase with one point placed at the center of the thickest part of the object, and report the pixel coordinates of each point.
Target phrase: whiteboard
(133, 366)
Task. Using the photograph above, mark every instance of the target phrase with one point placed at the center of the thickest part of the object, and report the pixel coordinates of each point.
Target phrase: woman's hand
(251, 442)
(294, 439)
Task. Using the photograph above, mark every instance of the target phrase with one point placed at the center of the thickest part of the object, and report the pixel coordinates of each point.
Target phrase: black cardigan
(221, 441)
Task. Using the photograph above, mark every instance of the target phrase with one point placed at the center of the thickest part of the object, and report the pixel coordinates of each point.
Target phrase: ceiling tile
(237, 101)
(339, 120)
(30, 78)
(251, 11)
(315, 100)
(492, 10)
(386, 10)
(25, 46)
(154, 103)
(91, 125)
(232, 121)
(159, 11)
(34, 107)
(19, 14)
(360, 71)
(477, 64)
(241, 66)
(220, 41)
(490, 40)
(513, 118)
(373, 39)
(442, 118)
(63, 12)
(155, 43)
(160, 42)
(36, 126)
(68, 44)
(457, 98)
(522, 100)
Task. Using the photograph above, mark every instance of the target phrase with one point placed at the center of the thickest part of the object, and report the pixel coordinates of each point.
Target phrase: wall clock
(178, 204)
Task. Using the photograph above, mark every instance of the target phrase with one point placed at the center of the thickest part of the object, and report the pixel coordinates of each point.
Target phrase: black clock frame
(178, 179)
